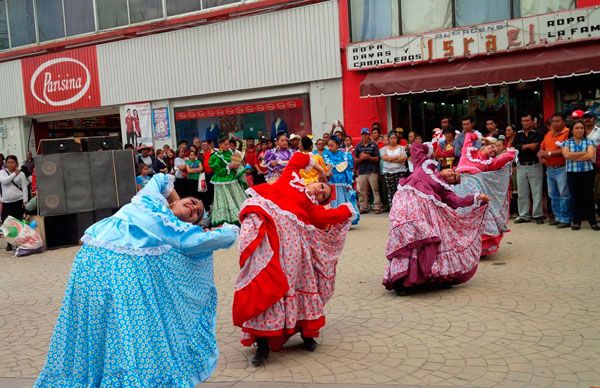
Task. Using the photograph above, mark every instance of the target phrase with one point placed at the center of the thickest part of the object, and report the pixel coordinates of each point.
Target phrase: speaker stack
(78, 189)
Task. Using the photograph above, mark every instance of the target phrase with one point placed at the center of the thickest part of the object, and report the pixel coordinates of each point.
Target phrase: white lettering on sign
(484, 39)
(55, 83)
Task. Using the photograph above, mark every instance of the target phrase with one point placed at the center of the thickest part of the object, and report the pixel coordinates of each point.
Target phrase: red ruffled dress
(289, 248)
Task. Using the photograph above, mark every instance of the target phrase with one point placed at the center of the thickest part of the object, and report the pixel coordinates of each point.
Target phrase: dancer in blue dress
(341, 167)
(140, 305)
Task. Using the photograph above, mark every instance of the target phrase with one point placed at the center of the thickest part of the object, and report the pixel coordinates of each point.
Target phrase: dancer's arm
(502, 160)
(195, 240)
(325, 216)
(160, 184)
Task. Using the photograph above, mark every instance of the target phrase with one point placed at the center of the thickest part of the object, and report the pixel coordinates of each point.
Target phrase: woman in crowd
(394, 166)
(181, 182)
(430, 243)
(340, 165)
(159, 164)
(579, 152)
(444, 153)
(289, 243)
(229, 195)
(509, 135)
(486, 172)
(170, 159)
(276, 159)
(193, 169)
(320, 147)
(311, 175)
(140, 304)
(15, 193)
(348, 147)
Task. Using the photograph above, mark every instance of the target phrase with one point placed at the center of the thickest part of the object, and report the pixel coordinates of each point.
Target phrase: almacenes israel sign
(483, 39)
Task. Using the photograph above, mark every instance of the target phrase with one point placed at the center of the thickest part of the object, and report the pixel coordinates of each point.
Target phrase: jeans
(363, 182)
(530, 180)
(558, 191)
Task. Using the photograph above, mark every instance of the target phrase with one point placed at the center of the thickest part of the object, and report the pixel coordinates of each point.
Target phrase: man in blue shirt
(467, 126)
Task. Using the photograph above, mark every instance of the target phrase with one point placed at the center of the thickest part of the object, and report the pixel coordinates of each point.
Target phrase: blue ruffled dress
(140, 306)
(342, 180)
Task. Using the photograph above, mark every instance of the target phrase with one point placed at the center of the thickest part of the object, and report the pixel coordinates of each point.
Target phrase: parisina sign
(484, 39)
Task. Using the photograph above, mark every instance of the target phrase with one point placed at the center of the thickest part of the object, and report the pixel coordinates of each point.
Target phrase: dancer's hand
(483, 198)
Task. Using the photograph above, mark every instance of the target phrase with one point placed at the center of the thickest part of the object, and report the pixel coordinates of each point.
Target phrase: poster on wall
(160, 123)
(136, 124)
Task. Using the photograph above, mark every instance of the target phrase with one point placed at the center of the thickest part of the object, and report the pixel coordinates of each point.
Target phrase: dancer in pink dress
(434, 236)
(290, 244)
(487, 173)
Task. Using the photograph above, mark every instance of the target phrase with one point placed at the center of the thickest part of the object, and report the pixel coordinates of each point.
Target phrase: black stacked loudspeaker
(77, 189)
(57, 146)
(101, 143)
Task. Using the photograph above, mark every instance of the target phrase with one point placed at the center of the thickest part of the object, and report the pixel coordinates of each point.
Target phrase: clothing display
(140, 304)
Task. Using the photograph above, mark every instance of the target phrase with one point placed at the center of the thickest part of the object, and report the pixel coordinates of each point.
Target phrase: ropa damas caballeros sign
(62, 81)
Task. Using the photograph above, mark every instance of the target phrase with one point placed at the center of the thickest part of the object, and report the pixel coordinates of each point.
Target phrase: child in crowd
(144, 177)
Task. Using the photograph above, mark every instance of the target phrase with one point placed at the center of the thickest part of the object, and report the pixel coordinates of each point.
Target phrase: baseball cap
(294, 136)
(588, 113)
(577, 114)
(365, 131)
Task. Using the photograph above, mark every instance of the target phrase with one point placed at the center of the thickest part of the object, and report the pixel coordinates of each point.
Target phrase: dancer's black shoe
(262, 352)
(309, 344)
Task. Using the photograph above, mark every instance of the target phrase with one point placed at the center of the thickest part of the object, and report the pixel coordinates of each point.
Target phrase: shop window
(176, 7)
(421, 16)
(51, 24)
(4, 43)
(217, 3)
(143, 10)
(533, 7)
(22, 23)
(111, 13)
(470, 12)
(79, 16)
(374, 19)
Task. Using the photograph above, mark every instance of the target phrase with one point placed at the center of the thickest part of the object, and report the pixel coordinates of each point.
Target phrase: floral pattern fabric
(421, 223)
(308, 257)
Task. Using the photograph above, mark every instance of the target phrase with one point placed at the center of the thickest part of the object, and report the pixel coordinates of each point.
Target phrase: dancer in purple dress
(435, 235)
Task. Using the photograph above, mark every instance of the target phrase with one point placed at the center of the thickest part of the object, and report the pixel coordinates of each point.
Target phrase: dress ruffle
(307, 258)
(130, 320)
(450, 239)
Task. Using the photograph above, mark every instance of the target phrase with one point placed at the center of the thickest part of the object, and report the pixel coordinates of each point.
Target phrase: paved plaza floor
(529, 317)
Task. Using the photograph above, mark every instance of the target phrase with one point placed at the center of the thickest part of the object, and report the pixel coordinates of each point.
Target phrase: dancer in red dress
(290, 244)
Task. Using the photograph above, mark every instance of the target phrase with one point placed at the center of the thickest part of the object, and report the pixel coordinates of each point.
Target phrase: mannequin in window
(213, 132)
(278, 127)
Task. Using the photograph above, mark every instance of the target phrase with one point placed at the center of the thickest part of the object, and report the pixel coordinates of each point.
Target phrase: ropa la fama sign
(490, 38)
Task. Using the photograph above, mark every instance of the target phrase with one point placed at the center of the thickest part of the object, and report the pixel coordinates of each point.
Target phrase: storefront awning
(519, 66)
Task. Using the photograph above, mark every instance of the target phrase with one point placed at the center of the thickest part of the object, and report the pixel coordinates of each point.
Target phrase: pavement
(529, 318)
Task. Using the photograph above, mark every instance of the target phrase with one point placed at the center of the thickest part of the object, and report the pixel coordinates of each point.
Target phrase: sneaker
(8, 247)
(553, 223)
(520, 220)
(364, 211)
(562, 225)
(575, 226)
(539, 220)
(377, 211)
(596, 227)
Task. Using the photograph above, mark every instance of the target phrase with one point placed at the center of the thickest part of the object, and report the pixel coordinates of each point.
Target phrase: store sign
(62, 81)
(238, 109)
(484, 39)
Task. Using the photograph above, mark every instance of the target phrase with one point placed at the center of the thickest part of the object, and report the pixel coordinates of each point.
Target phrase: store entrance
(104, 125)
